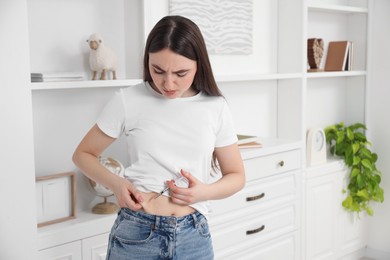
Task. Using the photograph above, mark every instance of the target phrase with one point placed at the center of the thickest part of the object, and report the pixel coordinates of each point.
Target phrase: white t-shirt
(165, 135)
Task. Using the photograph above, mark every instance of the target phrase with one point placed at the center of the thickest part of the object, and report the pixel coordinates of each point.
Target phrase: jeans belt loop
(195, 219)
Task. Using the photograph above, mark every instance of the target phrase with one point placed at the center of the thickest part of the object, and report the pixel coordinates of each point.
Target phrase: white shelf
(335, 74)
(129, 82)
(331, 165)
(85, 225)
(337, 9)
(257, 77)
(84, 84)
(270, 146)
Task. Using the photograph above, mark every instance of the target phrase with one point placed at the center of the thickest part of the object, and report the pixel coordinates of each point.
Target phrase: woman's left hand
(185, 196)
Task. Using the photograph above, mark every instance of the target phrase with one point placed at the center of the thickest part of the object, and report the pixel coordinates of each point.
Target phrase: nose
(168, 81)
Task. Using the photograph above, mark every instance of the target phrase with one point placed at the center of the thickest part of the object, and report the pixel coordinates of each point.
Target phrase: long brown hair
(182, 36)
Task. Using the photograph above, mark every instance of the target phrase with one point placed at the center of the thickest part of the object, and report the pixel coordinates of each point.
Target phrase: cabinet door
(69, 251)
(352, 229)
(322, 199)
(95, 248)
(331, 231)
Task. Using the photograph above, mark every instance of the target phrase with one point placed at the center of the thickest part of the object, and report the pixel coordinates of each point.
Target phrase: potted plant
(350, 143)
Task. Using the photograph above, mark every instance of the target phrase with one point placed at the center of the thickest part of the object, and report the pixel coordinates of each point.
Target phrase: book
(348, 66)
(61, 76)
(250, 145)
(337, 56)
(244, 139)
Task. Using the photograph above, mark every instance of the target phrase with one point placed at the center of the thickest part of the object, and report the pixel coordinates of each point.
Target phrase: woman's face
(172, 74)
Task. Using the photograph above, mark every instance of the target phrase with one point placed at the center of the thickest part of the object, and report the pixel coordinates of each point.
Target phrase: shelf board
(337, 9)
(331, 165)
(129, 82)
(270, 146)
(257, 77)
(84, 84)
(332, 74)
(85, 225)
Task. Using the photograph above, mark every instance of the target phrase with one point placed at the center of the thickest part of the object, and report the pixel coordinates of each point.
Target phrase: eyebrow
(179, 71)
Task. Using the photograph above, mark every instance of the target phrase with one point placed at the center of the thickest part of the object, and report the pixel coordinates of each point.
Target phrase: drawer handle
(281, 163)
(257, 197)
(254, 231)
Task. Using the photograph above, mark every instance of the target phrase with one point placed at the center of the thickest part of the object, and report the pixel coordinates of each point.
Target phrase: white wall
(379, 121)
(17, 212)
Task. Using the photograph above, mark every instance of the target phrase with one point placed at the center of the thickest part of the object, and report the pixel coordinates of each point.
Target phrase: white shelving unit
(332, 97)
(270, 93)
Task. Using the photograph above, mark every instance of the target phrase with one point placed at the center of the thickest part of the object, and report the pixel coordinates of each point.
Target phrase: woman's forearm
(90, 166)
(228, 185)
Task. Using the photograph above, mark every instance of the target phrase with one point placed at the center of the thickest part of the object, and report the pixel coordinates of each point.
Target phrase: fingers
(180, 195)
(129, 197)
(187, 175)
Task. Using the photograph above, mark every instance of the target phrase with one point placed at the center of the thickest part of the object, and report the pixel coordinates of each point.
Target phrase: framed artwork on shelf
(234, 36)
(56, 198)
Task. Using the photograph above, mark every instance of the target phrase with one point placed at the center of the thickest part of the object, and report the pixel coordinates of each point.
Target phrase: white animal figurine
(101, 58)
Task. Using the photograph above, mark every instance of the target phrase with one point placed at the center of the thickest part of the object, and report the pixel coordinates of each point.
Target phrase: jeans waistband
(162, 221)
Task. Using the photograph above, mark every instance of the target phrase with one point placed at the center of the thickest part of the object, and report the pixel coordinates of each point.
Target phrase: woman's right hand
(86, 159)
(127, 195)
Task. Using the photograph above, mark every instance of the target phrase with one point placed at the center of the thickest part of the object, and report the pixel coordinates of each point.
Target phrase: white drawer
(254, 225)
(271, 164)
(261, 192)
(282, 248)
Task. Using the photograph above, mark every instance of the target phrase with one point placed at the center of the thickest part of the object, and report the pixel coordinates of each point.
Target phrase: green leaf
(347, 203)
(340, 137)
(360, 137)
(358, 126)
(374, 157)
(355, 171)
(369, 211)
(360, 182)
(350, 134)
(365, 152)
(355, 148)
(356, 160)
(367, 164)
(363, 194)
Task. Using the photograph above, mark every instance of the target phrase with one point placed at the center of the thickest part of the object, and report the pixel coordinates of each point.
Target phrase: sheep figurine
(101, 58)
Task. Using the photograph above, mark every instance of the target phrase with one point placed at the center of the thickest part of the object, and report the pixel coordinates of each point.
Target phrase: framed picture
(56, 198)
(241, 36)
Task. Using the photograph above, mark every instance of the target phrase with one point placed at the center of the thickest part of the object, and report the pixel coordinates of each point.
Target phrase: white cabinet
(69, 251)
(266, 210)
(93, 248)
(331, 231)
(332, 97)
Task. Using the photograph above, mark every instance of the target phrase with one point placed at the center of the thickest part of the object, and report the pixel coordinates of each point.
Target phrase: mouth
(169, 92)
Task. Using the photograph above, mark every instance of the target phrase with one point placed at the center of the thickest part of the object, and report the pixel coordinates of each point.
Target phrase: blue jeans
(138, 235)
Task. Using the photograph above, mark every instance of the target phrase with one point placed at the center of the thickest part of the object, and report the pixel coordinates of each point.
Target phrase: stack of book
(248, 141)
(339, 56)
(62, 76)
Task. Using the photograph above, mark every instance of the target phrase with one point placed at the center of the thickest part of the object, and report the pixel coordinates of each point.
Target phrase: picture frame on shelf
(56, 198)
(257, 58)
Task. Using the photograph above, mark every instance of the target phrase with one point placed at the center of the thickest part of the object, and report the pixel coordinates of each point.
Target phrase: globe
(106, 207)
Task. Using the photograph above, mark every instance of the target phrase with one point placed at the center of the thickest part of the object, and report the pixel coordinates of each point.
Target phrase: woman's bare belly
(163, 206)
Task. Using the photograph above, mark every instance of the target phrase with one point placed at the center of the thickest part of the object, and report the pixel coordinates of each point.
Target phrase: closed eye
(157, 71)
(181, 74)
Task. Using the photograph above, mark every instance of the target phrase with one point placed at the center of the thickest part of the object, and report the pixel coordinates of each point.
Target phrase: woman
(177, 125)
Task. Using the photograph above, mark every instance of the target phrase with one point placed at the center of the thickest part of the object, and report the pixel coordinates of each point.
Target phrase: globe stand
(105, 207)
